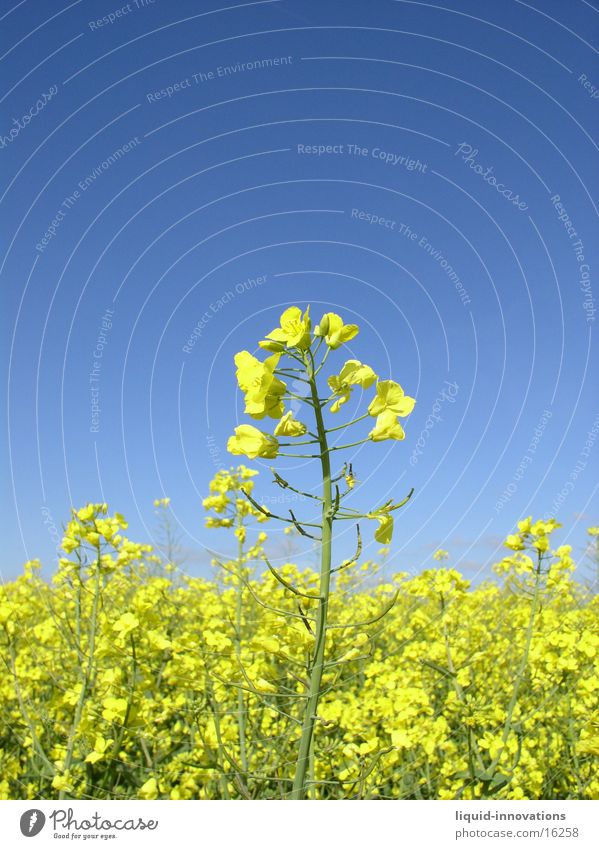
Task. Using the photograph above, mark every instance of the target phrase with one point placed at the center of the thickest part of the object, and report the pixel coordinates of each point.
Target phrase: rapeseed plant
(298, 354)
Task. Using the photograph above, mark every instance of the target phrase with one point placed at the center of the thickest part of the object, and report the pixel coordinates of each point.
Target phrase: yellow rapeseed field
(126, 679)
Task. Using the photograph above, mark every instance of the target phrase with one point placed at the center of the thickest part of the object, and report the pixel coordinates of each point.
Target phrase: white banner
(306, 825)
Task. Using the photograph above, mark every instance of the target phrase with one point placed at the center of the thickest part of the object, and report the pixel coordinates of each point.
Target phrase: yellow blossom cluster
(124, 681)
(265, 389)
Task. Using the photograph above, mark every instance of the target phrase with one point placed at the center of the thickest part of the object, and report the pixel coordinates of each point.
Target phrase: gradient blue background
(215, 193)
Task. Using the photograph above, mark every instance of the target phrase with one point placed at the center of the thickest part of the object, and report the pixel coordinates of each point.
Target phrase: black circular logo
(32, 822)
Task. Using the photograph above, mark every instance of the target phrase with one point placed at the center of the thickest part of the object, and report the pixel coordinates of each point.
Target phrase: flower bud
(323, 327)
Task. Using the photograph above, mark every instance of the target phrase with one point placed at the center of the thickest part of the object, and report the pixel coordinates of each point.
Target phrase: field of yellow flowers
(125, 678)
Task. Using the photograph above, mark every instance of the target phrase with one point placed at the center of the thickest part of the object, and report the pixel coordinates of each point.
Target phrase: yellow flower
(149, 790)
(353, 373)
(218, 503)
(263, 391)
(440, 555)
(541, 543)
(157, 641)
(5, 613)
(289, 426)
(69, 544)
(267, 644)
(252, 443)
(114, 709)
(264, 686)
(525, 525)
(542, 528)
(294, 331)
(86, 513)
(387, 427)
(400, 739)
(62, 782)
(514, 541)
(334, 331)
(99, 750)
(589, 746)
(390, 396)
(125, 624)
(384, 532)
(211, 522)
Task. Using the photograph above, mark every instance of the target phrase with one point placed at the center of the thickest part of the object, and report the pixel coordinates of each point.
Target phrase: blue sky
(176, 166)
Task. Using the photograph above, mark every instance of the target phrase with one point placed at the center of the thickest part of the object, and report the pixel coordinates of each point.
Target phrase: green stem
(473, 749)
(304, 398)
(87, 673)
(317, 661)
(36, 745)
(238, 622)
(349, 445)
(311, 790)
(324, 359)
(114, 764)
(523, 664)
(298, 456)
(303, 442)
(222, 779)
(348, 424)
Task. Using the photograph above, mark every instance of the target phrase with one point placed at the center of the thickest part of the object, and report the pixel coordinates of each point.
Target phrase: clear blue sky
(139, 178)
